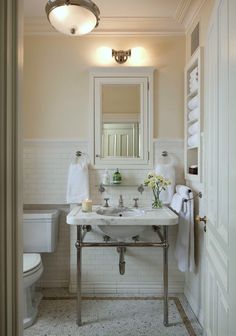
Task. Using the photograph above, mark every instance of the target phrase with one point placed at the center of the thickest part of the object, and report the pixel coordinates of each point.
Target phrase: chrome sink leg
(165, 275)
(121, 251)
(79, 259)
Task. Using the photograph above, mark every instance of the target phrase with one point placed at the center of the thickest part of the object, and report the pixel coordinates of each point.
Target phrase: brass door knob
(201, 219)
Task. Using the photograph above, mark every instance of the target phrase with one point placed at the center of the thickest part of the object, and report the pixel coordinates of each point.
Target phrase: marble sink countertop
(163, 216)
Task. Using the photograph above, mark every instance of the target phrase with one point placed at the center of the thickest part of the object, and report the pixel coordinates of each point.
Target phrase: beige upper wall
(203, 18)
(56, 82)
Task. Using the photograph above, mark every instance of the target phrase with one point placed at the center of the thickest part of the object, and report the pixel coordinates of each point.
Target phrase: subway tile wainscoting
(46, 165)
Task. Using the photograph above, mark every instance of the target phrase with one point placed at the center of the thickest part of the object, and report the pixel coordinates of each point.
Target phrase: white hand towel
(168, 171)
(194, 114)
(193, 103)
(184, 251)
(193, 141)
(78, 182)
(194, 128)
(176, 203)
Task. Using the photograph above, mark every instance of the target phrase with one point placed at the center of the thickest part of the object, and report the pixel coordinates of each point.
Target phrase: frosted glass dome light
(73, 17)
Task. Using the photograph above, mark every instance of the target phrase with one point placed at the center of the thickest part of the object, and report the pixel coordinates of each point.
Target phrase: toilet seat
(31, 263)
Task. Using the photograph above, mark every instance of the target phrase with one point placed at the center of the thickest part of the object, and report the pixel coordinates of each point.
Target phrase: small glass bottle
(106, 178)
(117, 178)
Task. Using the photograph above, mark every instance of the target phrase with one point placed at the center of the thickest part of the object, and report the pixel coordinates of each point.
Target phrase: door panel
(220, 137)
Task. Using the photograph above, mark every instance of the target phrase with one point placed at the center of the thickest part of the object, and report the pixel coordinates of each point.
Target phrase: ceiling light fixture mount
(121, 56)
(73, 17)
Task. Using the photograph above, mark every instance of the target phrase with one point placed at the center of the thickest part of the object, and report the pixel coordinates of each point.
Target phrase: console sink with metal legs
(159, 219)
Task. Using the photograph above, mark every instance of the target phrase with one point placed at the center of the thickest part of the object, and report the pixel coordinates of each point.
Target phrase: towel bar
(190, 199)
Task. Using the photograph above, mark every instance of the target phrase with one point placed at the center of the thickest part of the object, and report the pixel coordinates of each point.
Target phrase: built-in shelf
(193, 153)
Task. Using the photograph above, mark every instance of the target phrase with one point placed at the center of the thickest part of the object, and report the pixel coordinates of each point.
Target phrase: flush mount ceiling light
(73, 17)
(121, 56)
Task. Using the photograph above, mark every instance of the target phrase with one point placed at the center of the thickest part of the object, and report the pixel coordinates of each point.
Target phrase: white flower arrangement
(158, 183)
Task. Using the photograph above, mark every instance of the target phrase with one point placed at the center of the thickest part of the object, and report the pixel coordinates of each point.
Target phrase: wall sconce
(121, 56)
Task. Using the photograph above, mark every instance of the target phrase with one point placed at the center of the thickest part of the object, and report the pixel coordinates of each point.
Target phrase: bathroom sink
(121, 232)
(122, 223)
(120, 212)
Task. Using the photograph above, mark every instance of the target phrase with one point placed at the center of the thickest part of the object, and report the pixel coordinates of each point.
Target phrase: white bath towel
(184, 250)
(194, 114)
(78, 181)
(193, 140)
(176, 203)
(168, 171)
(194, 128)
(193, 103)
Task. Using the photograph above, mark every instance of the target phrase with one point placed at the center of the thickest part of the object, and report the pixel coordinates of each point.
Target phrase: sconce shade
(73, 17)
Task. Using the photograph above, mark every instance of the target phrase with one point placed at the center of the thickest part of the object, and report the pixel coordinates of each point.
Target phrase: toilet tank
(40, 230)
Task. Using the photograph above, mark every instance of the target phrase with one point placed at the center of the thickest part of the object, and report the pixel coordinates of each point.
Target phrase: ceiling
(124, 16)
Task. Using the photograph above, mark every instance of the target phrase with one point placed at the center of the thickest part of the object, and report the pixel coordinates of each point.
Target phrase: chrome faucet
(121, 203)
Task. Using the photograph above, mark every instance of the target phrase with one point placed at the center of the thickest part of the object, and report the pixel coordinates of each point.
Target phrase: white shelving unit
(194, 101)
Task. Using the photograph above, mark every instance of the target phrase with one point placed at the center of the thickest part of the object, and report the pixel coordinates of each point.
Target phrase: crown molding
(192, 13)
(153, 26)
(179, 24)
(181, 10)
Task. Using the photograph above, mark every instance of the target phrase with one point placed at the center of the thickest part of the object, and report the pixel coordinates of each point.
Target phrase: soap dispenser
(117, 178)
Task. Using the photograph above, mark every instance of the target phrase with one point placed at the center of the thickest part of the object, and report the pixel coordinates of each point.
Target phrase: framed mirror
(122, 117)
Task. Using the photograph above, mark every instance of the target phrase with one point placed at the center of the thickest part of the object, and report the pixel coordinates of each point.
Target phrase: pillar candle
(87, 205)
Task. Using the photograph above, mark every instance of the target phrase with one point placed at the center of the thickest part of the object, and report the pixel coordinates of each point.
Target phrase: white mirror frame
(125, 75)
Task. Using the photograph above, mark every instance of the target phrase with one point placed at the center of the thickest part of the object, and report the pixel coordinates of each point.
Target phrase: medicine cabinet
(122, 117)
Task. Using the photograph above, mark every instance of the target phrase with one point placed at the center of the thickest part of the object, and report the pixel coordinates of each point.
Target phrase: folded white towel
(194, 72)
(194, 114)
(193, 88)
(194, 128)
(184, 250)
(78, 181)
(193, 103)
(193, 141)
(193, 80)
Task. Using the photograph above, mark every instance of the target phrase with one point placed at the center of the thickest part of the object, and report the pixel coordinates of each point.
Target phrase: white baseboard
(129, 288)
(194, 304)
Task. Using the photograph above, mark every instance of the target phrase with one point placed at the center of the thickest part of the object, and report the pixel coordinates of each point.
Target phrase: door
(220, 159)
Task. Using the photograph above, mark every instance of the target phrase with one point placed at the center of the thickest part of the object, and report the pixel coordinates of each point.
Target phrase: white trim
(33, 140)
(168, 140)
(192, 14)
(154, 26)
(181, 10)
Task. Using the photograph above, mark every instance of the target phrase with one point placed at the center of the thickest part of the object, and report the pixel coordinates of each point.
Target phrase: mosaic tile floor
(140, 316)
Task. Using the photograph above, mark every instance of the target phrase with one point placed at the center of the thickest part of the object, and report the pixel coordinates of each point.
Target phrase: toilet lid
(30, 261)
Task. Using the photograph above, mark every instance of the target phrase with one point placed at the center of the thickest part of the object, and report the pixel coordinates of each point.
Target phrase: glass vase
(157, 203)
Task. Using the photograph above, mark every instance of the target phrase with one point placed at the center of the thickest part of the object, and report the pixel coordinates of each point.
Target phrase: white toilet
(40, 235)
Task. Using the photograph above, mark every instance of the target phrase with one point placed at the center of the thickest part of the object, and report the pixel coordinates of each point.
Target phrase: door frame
(11, 69)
